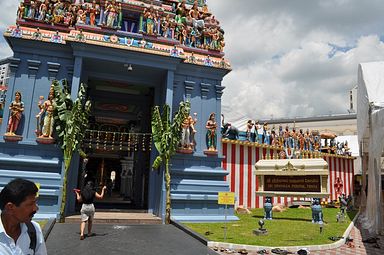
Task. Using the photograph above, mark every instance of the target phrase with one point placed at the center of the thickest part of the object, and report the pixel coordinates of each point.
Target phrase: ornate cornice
(124, 42)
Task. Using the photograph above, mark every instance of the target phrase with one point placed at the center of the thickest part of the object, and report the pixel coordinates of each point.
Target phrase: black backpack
(32, 236)
(87, 195)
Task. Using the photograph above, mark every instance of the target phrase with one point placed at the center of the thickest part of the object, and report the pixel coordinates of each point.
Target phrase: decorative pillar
(141, 24)
(69, 74)
(76, 77)
(169, 89)
(101, 17)
(33, 69)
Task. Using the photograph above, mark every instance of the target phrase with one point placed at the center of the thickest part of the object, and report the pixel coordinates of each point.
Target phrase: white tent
(370, 127)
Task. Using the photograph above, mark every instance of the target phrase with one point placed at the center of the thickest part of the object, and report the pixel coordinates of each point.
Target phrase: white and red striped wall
(240, 158)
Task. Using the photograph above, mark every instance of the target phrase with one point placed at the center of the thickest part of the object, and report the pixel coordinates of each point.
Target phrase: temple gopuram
(131, 55)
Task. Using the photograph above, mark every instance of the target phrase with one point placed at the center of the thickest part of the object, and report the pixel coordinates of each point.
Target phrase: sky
(289, 58)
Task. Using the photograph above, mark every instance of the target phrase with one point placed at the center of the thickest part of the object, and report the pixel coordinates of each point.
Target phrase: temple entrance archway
(118, 144)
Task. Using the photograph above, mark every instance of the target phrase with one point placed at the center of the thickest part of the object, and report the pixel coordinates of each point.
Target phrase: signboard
(298, 183)
(226, 198)
(38, 187)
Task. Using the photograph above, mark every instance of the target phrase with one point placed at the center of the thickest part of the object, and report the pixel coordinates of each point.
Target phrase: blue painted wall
(33, 67)
(196, 178)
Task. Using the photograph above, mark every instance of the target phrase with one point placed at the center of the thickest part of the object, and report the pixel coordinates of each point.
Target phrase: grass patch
(293, 227)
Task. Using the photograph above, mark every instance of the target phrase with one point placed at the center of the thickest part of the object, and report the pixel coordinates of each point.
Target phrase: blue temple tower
(131, 55)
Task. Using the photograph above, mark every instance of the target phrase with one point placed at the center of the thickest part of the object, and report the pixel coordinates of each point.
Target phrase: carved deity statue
(301, 140)
(195, 16)
(188, 131)
(93, 10)
(181, 12)
(249, 131)
(211, 136)
(287, 137)
(46, 112)
(20, 11)
(260, 131)
(16, 109)
(112, 12)
(150, 17)
(39, 117)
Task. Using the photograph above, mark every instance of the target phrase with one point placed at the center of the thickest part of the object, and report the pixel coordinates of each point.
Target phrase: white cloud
(8, 12)
(296, 58)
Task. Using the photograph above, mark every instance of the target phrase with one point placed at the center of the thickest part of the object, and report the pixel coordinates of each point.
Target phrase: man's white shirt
(21, 247)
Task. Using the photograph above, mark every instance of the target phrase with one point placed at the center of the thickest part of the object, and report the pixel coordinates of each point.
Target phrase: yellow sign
(38, 187)
(226, 198)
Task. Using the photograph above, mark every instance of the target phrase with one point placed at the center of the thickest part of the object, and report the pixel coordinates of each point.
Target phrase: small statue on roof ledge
(208, 61)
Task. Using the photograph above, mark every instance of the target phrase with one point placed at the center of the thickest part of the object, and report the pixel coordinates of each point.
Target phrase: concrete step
(119, 218)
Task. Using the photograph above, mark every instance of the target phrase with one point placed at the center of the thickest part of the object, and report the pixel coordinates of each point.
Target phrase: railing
(117, 141)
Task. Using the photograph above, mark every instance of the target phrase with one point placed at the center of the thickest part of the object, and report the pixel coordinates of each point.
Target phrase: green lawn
(292, 227)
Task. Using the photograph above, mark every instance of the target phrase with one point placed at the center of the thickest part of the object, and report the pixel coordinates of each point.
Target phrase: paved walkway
(119, 218)
(113, 239)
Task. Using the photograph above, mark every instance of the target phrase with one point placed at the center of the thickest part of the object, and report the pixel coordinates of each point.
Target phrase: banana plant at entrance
(71, 121)
(166, 137)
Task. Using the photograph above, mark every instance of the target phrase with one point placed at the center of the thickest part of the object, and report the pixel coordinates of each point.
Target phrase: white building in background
(4, 73)
(4, 76)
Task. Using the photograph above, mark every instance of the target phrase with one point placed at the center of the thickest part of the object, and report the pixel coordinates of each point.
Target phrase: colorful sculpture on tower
(188, 132)
(188, 22)
(45, 116)
(292, 143)
(39, 118)
(211, 136)
(16, 109)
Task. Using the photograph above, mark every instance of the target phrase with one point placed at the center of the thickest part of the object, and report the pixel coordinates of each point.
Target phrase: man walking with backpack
(18, 233)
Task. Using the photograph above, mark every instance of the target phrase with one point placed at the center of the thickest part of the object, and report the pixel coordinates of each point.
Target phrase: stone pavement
(119, 217)
(113, 239)
(357, 247)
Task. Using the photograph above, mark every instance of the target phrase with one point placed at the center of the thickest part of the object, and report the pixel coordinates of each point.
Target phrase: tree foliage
(71, 121)
(166, 137)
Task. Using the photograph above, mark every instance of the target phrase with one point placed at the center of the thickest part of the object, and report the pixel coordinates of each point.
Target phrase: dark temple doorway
(118, 144)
